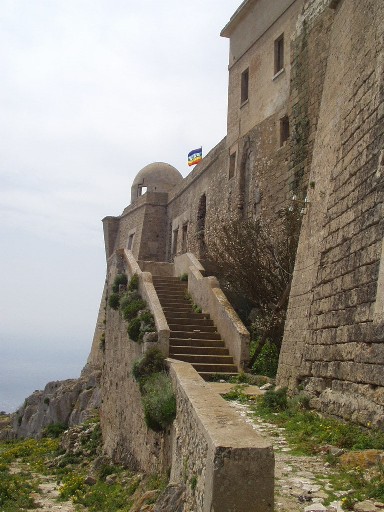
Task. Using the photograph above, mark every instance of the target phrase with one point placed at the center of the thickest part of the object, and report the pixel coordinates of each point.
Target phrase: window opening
(141, 190)
(279, 53)
(184, 238)
(284, 130)
(130, 241)
(201, 214)
(232, 165)
(244, 85)
(174, 242)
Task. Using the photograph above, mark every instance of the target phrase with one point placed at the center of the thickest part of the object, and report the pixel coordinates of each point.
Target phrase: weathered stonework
(330, 89)
(333, 343)
(208, 449)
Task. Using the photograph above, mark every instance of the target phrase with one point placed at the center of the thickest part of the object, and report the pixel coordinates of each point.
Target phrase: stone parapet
(214, 451)
(148, 292)
(206, 292)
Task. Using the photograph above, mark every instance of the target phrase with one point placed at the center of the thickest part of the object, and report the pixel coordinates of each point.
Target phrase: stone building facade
(305, 119)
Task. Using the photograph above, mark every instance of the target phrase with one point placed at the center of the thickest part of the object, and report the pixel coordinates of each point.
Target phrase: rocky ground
(303, 483)
(46, 498)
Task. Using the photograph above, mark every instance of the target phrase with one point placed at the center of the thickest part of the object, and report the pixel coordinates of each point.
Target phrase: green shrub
(134, 283)
(237, 393)
(107, 469)
(131, 309)
(193, 482)
(184, 277)
(147, 318)
(152, 361)
(72, 487)
(114, 301)
(54, 430)
(147, 324)
(159, 402)
(46, 400)
(119, 279)
(134, 329)
(196, 308)
(275, 400)
(128, 297)
(267, 361)
(15, 491)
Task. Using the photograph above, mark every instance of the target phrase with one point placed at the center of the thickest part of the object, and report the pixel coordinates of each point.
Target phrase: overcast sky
(91, 91)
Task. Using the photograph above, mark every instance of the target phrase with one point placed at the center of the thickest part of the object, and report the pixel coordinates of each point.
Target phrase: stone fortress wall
(329, 92)
(305, 118)
(330, 89)
(333, 344)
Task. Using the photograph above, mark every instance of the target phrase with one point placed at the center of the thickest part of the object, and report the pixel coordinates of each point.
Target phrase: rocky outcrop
(68, 402)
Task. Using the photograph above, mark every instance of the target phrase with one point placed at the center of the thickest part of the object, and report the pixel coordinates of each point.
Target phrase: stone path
(46, 499)
(297, 488)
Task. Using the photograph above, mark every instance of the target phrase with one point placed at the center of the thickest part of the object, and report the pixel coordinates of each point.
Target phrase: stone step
(214, 368)
(211, 375)
(191, 321)
(173, 288)
(177, 308)
(182, 349)
(167, 294)
(180, 315)
(205, 359)
(170, 302)
(194, 342)
(195, 335)
(167, 278)
(170, 286)
(191, 327)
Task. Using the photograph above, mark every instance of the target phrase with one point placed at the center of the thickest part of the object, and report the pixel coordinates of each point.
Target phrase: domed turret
(155, 177)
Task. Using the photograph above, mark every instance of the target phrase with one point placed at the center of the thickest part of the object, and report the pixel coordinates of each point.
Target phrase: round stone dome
(155, 177)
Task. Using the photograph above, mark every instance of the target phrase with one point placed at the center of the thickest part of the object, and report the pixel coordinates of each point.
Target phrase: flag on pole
(195, 156)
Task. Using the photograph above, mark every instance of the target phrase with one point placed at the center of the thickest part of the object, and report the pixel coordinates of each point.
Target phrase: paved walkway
(296, 484)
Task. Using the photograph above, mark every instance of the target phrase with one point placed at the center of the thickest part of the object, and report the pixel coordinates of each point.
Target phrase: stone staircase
(193, 336)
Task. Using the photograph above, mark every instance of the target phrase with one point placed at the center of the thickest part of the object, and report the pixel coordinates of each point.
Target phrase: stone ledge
(234, 455)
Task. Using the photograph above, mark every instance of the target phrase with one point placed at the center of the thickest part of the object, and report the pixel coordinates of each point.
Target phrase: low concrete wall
(206, 292)
(224, 464)
(148, 292)
(157, 268)
(184, 261)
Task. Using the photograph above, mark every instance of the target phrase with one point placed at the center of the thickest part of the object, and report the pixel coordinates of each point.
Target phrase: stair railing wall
(206, 292)
(148, 292)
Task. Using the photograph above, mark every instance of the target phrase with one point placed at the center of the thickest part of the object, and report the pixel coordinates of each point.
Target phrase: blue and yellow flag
(195, 156)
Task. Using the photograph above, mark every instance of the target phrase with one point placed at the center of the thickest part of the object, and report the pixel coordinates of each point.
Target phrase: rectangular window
(244, 85)
(184, 239)
(232, 165)
(279, 53)
(141, 190)
(174, 242)
(130, 241)
(284, 130)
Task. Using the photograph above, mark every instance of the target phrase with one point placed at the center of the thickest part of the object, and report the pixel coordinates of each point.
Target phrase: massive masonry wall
(309, 54)
(333, 343)
(126, 438)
